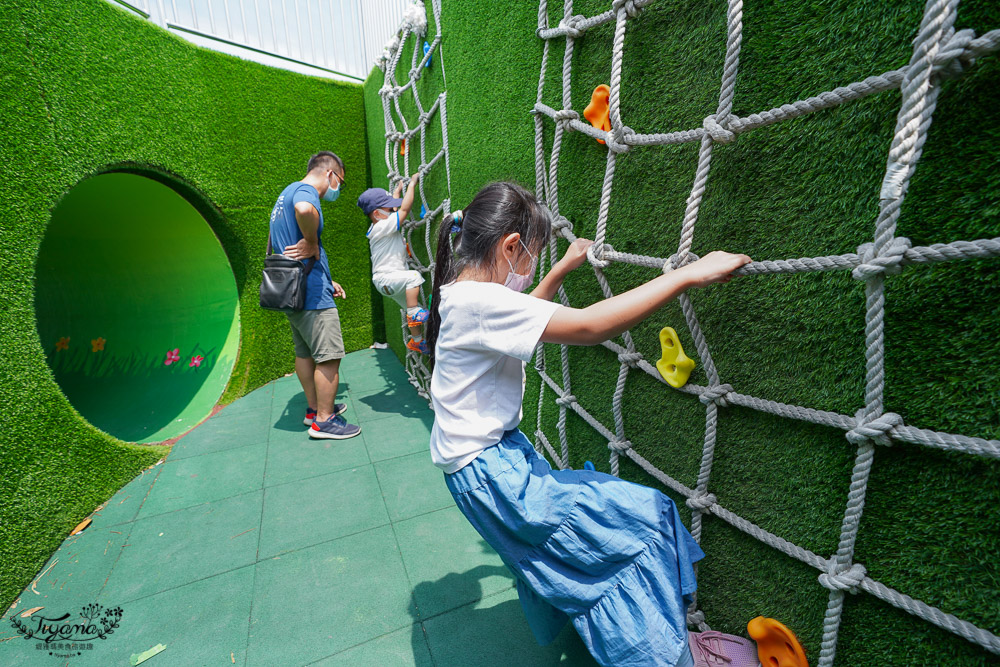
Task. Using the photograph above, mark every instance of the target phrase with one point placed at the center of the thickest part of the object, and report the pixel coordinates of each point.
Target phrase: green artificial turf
(799, 188)
(86, 88)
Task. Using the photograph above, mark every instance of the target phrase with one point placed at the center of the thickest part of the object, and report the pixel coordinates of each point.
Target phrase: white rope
(938, 52)
(415, 24)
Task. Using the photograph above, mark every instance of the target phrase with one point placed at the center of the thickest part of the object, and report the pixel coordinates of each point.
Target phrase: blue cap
(374, 198)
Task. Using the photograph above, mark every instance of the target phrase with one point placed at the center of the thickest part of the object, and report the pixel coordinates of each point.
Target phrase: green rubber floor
(254, 545)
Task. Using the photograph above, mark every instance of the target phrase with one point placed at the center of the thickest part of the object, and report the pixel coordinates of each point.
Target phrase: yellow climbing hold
(674, 365)
(776, 644)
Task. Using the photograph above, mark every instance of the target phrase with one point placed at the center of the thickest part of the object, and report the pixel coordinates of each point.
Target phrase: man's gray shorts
(316, 334)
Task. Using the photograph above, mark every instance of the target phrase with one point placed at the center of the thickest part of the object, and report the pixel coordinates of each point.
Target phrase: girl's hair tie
(456, 225)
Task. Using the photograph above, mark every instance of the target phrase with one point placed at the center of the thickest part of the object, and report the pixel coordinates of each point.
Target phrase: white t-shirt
(487, 334)
(387, 245)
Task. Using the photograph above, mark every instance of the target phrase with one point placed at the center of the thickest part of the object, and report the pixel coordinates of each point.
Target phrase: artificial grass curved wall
(86, 87)
(799, 188)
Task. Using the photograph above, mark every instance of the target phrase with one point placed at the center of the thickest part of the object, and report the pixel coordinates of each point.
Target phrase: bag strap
(308, 269)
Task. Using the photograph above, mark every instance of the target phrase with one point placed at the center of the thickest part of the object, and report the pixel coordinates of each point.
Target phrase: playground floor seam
(356, 554)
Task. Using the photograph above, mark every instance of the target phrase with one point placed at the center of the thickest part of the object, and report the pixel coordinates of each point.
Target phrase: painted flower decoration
(98, 344)
(196, 361)
(173, 355)
(62, 343)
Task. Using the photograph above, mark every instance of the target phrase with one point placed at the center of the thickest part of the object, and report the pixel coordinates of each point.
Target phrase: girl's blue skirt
(610, 555)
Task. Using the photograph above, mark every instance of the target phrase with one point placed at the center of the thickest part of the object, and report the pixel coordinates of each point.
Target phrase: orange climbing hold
(777, 646)
(597, 111)
(402, 147)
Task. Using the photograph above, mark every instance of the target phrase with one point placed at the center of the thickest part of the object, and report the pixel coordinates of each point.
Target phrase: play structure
(395, 98)
(827, 422)
(938, 51)
(137, 312)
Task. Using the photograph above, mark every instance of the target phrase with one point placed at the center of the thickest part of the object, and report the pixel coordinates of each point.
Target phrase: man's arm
(307, 218)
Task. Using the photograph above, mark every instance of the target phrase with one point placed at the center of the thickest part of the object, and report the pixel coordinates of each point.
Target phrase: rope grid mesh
(415, 24)
(938, 52)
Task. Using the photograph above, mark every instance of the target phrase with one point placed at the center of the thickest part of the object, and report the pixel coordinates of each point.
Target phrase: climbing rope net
(399, 143)
(938, 51)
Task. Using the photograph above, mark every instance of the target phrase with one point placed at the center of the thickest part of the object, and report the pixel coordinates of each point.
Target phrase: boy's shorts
(316, 334)
(394, 284)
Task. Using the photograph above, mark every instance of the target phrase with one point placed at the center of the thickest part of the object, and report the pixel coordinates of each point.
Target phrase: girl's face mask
(518, 281)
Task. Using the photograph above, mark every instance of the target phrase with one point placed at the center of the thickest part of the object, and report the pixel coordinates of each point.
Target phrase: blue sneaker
(334, 428)
(338, 409)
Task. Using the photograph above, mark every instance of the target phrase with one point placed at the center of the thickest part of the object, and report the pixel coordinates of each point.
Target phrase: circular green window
(137, 308)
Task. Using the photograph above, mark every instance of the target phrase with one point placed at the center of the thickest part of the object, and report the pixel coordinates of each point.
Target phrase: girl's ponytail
(444, 273)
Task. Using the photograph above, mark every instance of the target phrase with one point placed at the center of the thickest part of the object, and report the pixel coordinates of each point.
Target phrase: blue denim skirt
(611, 556)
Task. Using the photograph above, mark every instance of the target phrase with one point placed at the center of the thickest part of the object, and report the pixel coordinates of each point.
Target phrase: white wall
(332, 38)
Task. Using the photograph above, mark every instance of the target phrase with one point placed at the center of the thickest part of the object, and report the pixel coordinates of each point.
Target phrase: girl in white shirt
(611, 556)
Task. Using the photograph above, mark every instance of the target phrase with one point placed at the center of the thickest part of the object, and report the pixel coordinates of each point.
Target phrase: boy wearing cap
(389, 272)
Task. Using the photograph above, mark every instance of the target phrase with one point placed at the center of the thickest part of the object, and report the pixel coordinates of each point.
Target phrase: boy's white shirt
(387, 246)
(487, 334)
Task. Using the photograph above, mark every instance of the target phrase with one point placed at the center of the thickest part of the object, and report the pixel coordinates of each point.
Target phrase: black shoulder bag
(283, 287)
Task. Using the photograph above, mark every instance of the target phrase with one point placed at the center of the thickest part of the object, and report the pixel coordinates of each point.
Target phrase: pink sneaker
(717, 649)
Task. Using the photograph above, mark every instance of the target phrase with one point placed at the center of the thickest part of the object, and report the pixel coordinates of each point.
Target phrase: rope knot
(595, 261)
(616, 139)
(619, 446)
(570, 25)
(696, 618)
(563, 118)
(877, 430)
(415, 73)
(888, 262)
(716, 394)
(848, 580)
(630, 358)
(560, 222)
(423, 118)
(628, 6)
(701, 501)
(566, 401)
(674, 262)
(718, 133)
(955, 54)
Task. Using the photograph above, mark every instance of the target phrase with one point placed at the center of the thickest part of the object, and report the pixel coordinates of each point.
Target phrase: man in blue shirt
(296, 226)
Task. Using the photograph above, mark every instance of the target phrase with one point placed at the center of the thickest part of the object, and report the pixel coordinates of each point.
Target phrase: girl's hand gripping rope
(606, 319)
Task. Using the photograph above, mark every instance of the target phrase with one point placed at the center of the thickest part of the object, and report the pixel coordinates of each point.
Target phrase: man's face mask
(518, 281)
(331, 194)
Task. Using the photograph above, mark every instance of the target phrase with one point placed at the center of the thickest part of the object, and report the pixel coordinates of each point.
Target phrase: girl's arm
(549, 285)
(606, 319)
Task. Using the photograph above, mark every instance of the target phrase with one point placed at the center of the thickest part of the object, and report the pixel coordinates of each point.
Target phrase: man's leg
(328, 349)
(305, 369)
(326, 378)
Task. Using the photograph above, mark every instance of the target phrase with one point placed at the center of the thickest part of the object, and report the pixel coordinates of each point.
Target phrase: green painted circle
(128, 273)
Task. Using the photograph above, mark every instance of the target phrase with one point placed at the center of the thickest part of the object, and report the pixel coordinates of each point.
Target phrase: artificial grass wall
(86, 87)
(806, 187)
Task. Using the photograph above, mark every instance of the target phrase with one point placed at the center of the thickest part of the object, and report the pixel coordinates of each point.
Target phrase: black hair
(497, 210)
(325, 160)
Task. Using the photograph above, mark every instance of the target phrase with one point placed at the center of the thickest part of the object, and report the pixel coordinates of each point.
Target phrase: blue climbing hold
(423, 211)
(587, 465)
(427, 47)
